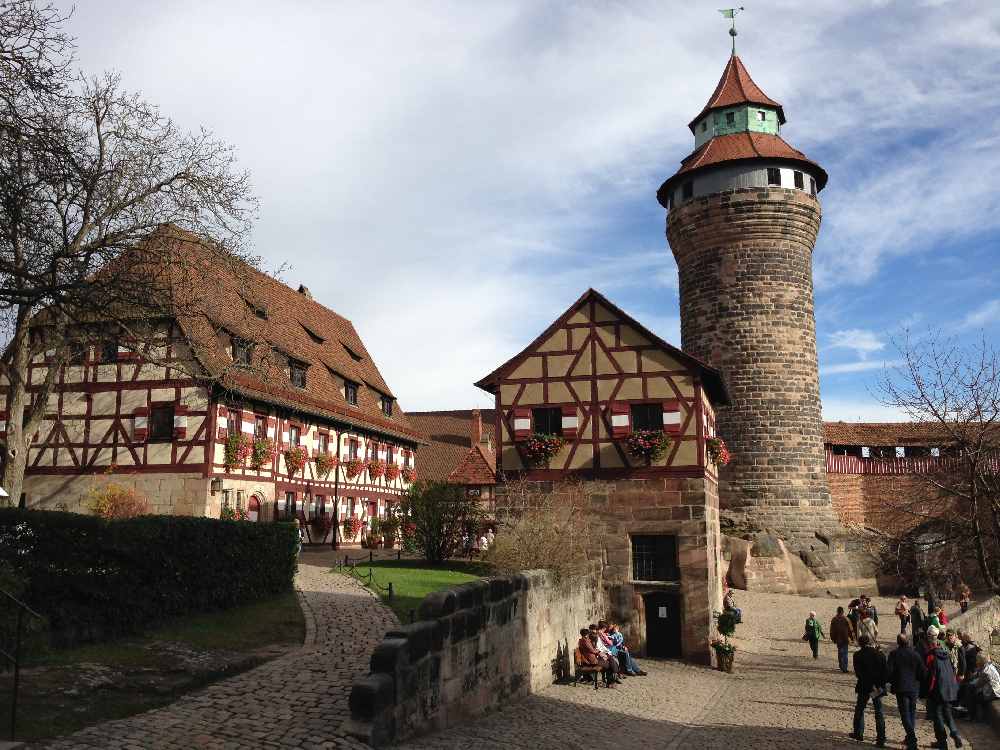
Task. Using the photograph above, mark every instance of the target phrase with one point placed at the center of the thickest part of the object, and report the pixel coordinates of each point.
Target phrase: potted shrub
(376, 468)
(374, 532)
(539, 449)
(351, 528)
(354, 467)
(295, 459)
(237, 450)
(390, 527)
(409, 475)
(261, 452)
(325, 463)
(391, 472)
(724, 649)
(648, 445)
(718, 453)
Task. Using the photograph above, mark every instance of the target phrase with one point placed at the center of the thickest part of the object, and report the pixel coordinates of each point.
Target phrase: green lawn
(55, 698)
(412, 580)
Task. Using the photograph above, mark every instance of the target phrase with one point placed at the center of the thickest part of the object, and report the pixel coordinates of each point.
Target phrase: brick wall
(847, 495)
(879, 501)
(745, 262)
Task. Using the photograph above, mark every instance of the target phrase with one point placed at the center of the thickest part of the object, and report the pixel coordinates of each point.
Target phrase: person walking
(964, 597)
(917, 624)
(906, 674)
(868, 627)
(942, 689)
(870, 669)
(903, 613)
(842, 634)
(813, 634)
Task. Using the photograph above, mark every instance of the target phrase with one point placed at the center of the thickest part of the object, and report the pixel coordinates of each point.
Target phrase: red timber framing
(98, 415)
(597, 369)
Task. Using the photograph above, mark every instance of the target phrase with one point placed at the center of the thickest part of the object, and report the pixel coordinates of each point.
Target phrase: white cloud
(451, 175)
(864, 365)
(986, 314)
(860, 410)
(861, 341)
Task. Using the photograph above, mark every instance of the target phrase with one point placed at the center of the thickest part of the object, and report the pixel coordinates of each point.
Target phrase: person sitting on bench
(729, 605)
(624, 655)
(590, 656)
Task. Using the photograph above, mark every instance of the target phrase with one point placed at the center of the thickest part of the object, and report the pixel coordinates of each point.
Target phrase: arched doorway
(253, 507)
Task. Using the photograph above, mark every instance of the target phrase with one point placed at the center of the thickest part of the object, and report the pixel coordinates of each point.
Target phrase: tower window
(687, 191)
(670, 200)
(812, 186)
(761, 115)
(730, 118)
(704, 125)
(773, 176)
(798, 180)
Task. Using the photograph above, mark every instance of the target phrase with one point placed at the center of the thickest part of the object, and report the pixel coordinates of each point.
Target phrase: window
(324, 443)
(297, 373)
(773, 176)
(647, 417)
(350, 352)
(761, 115)
(352, 449)
(704, 125)
(390, 454)
(654, 558)
(730, 118)
(294, 435)
(312, 334)
(866, 452)
(161, 423)
(812, 186)
(670, 200)
(799, 183)
(687, 190)
(260, 426)
(241, 351)
(547, 421)
(351, 392)
(900, 452)
(78, 352)
(406, 459)
(387, 406)
(936, 452)
(109, 351)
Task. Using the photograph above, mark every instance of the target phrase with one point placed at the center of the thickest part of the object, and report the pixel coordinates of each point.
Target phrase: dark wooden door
(663, 625)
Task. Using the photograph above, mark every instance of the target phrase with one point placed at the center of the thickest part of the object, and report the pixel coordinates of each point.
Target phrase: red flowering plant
(261, 452)
(409, 475)
(325, 463)
(718, 453)
(354, 467)
(539, 449)
(237, 450)
(391, 472)
(230, 513)
(647, 444)
(295, 459)
(352, 526)
(376, 468)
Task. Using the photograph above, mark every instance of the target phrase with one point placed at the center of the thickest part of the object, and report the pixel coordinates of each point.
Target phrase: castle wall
(168, 493)
(745, 262)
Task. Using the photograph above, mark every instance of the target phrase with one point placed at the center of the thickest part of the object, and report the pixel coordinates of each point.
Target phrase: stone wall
(168, 494)
(477, 647)
(848, 498)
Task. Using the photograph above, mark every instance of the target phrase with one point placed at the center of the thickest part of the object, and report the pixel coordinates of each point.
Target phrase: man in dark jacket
(917, 624)
(842, 634)
(906, 673)
(942, 689)
(869, 666)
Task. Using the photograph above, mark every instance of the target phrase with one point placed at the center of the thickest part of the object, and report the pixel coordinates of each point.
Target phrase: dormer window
(730, 118)
(761, 115)
(312, 334)
(297, 373)
(351, 392)
(350, 352)
(241, 351)
(387, 406)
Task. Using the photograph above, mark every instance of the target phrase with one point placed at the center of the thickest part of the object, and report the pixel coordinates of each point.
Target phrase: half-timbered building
(589, 387)
(273, 407)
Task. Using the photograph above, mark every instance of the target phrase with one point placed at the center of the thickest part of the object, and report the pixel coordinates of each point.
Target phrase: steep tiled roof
(736, 87)
(736, 146)
(282, 323)
(450, 446)
(478, 467)
(881, 434)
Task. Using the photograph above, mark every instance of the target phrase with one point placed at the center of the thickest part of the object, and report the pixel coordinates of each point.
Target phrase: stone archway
(254, 506)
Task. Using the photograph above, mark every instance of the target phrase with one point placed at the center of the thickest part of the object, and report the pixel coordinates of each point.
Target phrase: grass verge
(412, 580)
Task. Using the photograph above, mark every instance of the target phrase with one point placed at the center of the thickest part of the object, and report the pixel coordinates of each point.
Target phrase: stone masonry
(745, 263)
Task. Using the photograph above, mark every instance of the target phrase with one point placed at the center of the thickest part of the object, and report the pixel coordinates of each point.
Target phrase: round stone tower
(743, 215)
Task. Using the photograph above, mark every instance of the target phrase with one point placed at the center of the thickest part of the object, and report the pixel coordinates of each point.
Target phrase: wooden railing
(897, 466)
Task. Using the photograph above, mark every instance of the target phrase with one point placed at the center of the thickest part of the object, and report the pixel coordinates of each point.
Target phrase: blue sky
(452, 175)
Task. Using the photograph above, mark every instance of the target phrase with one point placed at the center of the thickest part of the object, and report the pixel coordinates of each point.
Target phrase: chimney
(477, 428)
(304, 291)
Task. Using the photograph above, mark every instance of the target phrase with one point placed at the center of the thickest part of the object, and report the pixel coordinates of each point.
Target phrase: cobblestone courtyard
(778, 697)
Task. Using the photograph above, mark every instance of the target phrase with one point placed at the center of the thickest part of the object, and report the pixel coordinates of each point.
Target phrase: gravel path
(296, 701)
(778, 698)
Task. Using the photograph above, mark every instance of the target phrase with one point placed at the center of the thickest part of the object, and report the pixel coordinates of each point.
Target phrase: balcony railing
(897, 466)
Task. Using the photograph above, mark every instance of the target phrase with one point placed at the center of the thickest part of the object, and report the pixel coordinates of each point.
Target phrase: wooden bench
(582, 669)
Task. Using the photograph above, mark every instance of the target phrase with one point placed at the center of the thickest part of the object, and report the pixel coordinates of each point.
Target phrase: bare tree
(99, 193)
(955, 390)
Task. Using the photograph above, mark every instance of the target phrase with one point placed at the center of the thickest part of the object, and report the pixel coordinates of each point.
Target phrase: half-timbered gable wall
(608, 377)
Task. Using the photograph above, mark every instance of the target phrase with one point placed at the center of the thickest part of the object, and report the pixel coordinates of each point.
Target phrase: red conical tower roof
(737, 87)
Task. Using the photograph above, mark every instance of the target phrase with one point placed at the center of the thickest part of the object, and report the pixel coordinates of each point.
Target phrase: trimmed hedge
(96, 579)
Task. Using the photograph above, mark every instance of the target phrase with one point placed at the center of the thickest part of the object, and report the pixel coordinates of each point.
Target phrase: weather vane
(731, 13)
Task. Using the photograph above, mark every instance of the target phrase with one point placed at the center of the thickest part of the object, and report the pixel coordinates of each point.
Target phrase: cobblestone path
(296, 701)
(778, 698)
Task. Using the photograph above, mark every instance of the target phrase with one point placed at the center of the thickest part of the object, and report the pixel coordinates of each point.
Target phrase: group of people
(944, 666)
(603, 645)
(473, 545)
